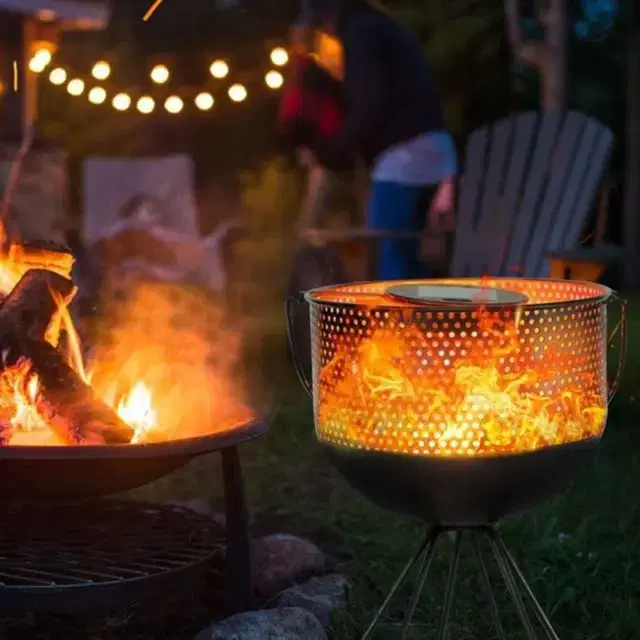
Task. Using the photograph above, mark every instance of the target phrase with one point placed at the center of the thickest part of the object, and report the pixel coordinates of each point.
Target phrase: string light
(75, 87)
(101, 70)
(274, 80)
(146, 104)
(159, 74)
(151, 10)
(97, 95)
(173, 104)
(237, 93)
(121, 102)
(219, 69)
(279, 56)
(204, 101)
(58, 76)
(40, 60)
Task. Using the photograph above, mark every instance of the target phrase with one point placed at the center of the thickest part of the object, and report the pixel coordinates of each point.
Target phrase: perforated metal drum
(459, 368)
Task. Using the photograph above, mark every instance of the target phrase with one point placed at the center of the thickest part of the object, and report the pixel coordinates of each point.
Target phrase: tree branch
(528, 52)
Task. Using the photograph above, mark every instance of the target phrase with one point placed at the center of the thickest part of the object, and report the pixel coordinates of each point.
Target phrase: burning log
(69, 405)
(29, 310)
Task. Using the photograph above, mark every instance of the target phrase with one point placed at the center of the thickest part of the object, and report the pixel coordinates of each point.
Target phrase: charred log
(32, 306)
(68, 404)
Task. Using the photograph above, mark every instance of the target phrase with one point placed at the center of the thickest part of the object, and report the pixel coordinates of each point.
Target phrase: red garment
(311, 106)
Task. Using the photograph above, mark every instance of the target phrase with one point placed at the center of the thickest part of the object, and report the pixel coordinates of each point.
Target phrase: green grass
(579, 551)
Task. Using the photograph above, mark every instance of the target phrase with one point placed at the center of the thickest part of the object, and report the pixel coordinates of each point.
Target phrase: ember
(475, 382)
(146, 378)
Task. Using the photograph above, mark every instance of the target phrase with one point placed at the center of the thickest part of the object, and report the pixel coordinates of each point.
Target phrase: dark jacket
(389, 93)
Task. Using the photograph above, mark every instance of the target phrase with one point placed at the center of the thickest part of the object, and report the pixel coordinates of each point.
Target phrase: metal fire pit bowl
(78, 472)
(393, 446)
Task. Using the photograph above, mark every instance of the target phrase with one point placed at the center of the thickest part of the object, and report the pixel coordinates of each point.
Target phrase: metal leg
(486, 583)
(398, 583)
(422, 578)
(518, 577)
(511, 584)
(238, 541)
(443, 631)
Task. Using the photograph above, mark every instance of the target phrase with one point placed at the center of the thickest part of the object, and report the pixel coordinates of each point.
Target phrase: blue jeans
(398, 207)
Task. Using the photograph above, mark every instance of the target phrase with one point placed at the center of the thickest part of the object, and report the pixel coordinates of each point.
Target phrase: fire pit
(72, 432)
(461, 402)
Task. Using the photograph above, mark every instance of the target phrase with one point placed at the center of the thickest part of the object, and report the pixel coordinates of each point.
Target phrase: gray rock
(281, 560)
(270, 624)
(321, 596)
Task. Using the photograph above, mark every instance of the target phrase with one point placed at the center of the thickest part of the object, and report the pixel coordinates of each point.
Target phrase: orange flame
(157, 376)
(386, 394)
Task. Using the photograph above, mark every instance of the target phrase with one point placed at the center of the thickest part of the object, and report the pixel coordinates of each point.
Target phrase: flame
(476, 397)
(137, 410)
(157, 375)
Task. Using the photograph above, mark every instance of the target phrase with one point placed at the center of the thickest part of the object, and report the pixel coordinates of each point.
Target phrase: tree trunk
(555, 59)
(549, 57)
(632, 183)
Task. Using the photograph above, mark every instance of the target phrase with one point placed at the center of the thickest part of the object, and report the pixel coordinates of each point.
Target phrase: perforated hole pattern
(560, 346)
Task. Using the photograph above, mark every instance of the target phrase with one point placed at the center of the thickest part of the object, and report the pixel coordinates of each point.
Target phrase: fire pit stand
(511, 574)
(73, 554)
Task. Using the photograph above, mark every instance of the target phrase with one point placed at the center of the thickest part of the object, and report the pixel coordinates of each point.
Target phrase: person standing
(393, 119)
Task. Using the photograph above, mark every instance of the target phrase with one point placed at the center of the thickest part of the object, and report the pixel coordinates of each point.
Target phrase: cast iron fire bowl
(461, 491)
(79, 472)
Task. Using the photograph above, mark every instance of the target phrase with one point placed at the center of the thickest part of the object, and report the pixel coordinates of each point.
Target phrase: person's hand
(306, 157)
(442, 208)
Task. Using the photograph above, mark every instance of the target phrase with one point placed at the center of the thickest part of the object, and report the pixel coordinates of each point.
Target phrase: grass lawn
(579, 551)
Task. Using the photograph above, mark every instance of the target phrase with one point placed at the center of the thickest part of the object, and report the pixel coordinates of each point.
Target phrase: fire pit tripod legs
(511, 574)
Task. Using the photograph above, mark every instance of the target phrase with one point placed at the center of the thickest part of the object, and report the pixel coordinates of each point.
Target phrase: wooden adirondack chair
(528, 185)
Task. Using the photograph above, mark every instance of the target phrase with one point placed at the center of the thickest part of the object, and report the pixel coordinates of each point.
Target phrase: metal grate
(100, 555)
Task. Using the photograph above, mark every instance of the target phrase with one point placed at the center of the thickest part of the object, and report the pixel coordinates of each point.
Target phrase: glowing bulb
(159, 74)
(121, 102)
(58, 76)
(97, 95)
(40, 60)
(101, 70)
(274, 79)
(279, 57)
(219, 69)
(75, 87)
(173, 104)
(237, 93)
(204, 101)
(146, 104)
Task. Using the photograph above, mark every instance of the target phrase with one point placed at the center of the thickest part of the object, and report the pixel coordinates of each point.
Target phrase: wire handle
(613, 384)
(290, 306)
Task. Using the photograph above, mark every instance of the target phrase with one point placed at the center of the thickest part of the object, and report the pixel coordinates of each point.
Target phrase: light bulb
(58, 76)
(101, 70)
(237, 93)
(204, 101)
(41, 58)
(146, 104)
(219, 69)
(159, 74)
(274, 79)
(97, 95)
(279, 57)
(121, 102)
(173, 104)
(75, 87)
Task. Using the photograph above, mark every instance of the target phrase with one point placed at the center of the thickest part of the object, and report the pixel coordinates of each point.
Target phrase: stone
(287, 623)
(321, 596)
(280, 560)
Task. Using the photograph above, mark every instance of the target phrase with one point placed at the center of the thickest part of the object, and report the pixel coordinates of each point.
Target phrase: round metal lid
(445, 295)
